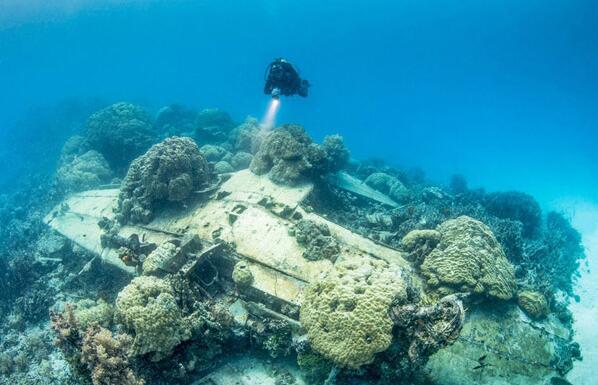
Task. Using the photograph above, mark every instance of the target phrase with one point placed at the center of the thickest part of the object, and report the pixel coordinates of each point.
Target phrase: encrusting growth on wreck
(230, 240)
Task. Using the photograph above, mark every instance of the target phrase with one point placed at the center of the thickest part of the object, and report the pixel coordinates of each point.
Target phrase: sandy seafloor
(584, 217)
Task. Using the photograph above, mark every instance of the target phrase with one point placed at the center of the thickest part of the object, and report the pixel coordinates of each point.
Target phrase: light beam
(270, 116)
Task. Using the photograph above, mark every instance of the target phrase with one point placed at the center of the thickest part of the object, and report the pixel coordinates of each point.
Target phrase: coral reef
(316, 238)
(468, 258)
(338, 155)
(223, 167)
(346, 313)
(93, 351)
(147, 307)
(289, 156)
(213, 126)
(518, 206)
(88, 312)
(241, 160)
(388, 185)
(176, 120)
(106, 357)
(552, 260)
(533, 303)
(247, 137)
(169, 171)
(213, 153)
(120, 132)
(84, 172)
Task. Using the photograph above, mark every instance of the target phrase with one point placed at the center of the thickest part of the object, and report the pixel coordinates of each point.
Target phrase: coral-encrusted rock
(468, 258)
(83, 172)
(169, 171)
(319, 243)
(147, 308)
(533, 303)
(246, 137)
(120, 132)
(346, 314)
(289, 156)
(242, 276)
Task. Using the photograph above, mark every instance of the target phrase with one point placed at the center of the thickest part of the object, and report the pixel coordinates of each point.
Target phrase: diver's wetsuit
(283, 79)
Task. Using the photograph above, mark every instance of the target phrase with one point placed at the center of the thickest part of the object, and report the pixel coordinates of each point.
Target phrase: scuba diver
(283, 79)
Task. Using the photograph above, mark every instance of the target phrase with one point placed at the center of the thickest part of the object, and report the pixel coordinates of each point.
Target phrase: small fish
(482, 362)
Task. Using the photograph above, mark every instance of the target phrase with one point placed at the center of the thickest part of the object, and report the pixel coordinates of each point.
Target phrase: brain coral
(147, 307)
(169, 171)
(120, 132)
(533, 303)
(468, 258)
(346, 314)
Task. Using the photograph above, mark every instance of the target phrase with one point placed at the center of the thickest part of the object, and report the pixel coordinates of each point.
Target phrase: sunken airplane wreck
(248, 244)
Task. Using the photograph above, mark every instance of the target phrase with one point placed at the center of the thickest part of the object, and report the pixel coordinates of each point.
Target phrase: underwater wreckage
(276, 261)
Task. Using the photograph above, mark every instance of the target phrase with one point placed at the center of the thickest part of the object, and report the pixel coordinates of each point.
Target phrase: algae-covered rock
(242, 276)
(120, 132)
(83, 172)
(148, 309)
(419, 243)
(346, 314)
(388, 185)
(169, 171)
(468, 258)
(533, 303)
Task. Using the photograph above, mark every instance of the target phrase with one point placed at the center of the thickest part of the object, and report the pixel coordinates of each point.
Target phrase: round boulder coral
(148, 309)
(213, 125)
(241, 160)
(120, 132)
(83, 172)
(176, 120)
(388, 185)
(468, 258)
(169, 171)
(346, 314)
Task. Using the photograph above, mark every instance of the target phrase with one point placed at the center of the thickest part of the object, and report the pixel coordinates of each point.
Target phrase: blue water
(503, 92)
